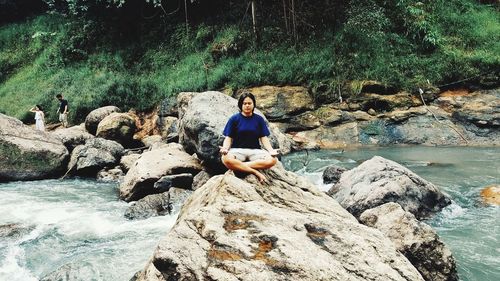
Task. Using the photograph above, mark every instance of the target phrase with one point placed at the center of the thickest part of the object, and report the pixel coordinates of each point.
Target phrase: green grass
(50, 54)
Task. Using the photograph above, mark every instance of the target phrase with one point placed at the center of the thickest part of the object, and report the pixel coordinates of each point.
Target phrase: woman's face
(247, 107)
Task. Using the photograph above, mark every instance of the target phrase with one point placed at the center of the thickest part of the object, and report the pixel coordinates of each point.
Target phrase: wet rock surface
(415, 239)
(378, 181)
(28, 154)
(234, 229)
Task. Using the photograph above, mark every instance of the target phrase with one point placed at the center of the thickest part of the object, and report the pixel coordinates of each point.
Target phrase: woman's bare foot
(260, 177)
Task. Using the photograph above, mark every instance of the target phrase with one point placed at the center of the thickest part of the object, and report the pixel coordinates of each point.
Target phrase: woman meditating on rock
(241, 150)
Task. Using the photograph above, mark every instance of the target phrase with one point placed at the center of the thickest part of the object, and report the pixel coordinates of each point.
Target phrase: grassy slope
(49, 54)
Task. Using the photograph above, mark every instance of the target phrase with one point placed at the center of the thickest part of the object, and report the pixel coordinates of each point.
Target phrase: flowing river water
(79, 223)
(470, 228)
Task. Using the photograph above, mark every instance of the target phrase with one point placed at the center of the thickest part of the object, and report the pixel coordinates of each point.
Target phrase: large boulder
(27, 154)
(202, 123)
(415, 239)
(238, 229)
(378, 181)
(119, 127)
(168, 159)
(73, 136)
(95, 117)
(96, 154)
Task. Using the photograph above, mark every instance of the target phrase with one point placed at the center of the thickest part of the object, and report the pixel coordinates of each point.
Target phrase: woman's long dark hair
(244, 96)
(39, 107)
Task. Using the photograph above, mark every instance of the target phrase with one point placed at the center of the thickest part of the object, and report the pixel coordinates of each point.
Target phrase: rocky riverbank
(237, 224)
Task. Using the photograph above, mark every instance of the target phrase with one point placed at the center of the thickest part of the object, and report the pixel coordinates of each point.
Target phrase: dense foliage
(133, 53)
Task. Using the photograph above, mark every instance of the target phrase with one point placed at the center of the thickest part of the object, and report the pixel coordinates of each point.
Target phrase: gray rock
(302, 122)
(332, 174)
(238, 229)
(168, 127)
(183, 181)
(128, 161)
(200, 179)
(281, 103)
(416, 240)
(150, 140)
(329, 137)
(168, 107)
(280, 140)
(149, 206)
(95, 117)
(177, 198)
(328, 115)
(73, 136)
(378, 181)
(201, 126)
(112, 175)
(73, 272)
(158, 204)
(96, 154)
(119, 127)
(14, 230)
(27, 154)
(479, 108)
(183, 100)
(168, 159)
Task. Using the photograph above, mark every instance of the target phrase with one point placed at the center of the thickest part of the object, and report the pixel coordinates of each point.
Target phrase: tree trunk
(254, 21)
(294, 23)
(186, 14)
(285, 12)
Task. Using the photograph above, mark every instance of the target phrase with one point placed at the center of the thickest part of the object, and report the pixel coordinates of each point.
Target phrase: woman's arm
(226, 145)
(267, 146)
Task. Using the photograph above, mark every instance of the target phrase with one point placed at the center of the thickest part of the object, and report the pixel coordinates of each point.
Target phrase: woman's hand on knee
(223, 150)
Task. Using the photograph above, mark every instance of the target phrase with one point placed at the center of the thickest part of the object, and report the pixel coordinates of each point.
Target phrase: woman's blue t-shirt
(246, 131)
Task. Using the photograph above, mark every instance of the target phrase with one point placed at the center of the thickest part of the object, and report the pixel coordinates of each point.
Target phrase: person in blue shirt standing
(244, 133)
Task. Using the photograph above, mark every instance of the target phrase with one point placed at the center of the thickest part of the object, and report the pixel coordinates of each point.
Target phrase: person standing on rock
(63, 110)
(39, 117)
(241, 150)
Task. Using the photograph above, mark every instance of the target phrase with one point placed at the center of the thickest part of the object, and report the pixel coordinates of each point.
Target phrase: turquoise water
(468, 227)
(74, 222)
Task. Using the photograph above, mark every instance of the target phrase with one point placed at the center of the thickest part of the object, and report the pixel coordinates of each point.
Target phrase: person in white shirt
(39, 117)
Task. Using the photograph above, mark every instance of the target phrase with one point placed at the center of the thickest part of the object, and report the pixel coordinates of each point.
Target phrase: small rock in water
(13, 230)
(491, 194)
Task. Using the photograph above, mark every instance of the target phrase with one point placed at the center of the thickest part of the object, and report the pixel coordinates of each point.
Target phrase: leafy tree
(13, 10)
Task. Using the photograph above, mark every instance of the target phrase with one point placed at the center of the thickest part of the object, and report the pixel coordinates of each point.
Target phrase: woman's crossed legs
(249, 161)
